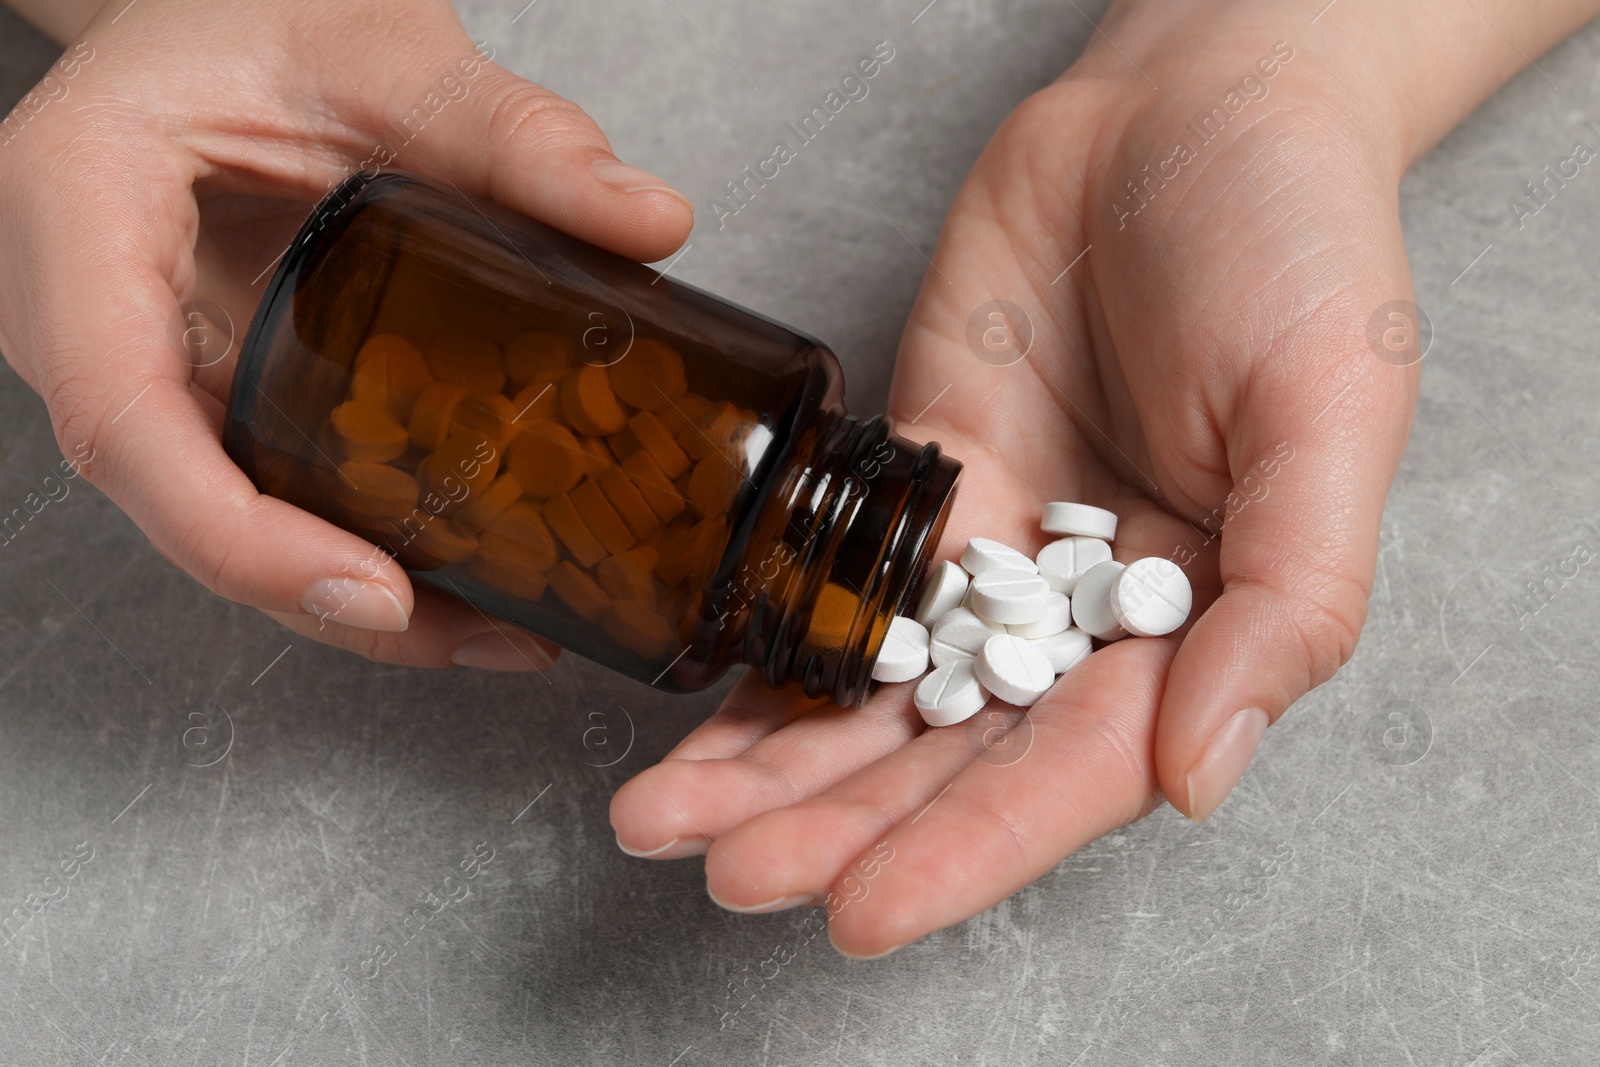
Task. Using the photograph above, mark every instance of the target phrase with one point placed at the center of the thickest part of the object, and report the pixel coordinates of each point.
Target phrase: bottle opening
(862, 523)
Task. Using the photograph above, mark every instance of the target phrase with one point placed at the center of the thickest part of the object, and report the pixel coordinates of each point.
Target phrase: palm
(1144, 392)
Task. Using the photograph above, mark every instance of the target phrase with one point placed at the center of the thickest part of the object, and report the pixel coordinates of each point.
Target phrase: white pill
(1062, 563)
(904, 654)
(1055, 617)
(1064, 650)
(1081, 520)
(960, 635)
(946, 588)
(1091, 602)
(1151, 597)
(982, 554)
(951, 694)
(1008, 597)
(1013, 670)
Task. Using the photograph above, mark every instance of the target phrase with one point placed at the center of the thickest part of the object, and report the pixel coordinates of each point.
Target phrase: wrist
(1405, 74)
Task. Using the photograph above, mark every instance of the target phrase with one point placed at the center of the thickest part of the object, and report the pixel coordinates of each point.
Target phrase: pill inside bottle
(650, 476)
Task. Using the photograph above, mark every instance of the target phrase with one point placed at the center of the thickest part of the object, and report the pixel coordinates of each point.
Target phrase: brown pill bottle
(652, 477)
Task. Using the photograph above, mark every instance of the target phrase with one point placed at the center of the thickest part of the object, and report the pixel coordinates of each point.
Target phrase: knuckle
(82, 420)
(208, 555)
(1003, 830)
(378, 647)
(778, 780)
(532, 115)
(1127, 753)
(1327, 612)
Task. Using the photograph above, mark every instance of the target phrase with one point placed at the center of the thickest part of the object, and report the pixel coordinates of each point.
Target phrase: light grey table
(1408, 874)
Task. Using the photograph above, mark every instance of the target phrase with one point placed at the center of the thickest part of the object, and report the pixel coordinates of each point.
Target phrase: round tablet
(484, 508)
(1064, 650)
(657, 440)
(1079, 519)
(713, 485)
(631, 575)
(944, 590)
(534, 352)
(602, 519)
(1091, 602)
(951, 694)
(490, 415)
(368, 433)
(520, 534)
(446, 541)
(434, 412)
(540, 399)
(1055, 616)
(630, 504)
(654, 485)
(1063, 562)
(648, 375)
(390, 370)
(588, 403)
(1009, 596)
(637, 626)
(376, 489)
(464, 461)
(1013, 670)
(579, 591)
(959, 634)
(546, 459)
(574, 533)
(1151, 597)
(982, 554)
(904, 654)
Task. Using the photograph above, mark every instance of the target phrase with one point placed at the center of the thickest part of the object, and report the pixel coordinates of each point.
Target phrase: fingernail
(847, 954)
(1227, 754)
(676, 849)
(626, 179)
(354, 602)
(502, 650)
(775, 904)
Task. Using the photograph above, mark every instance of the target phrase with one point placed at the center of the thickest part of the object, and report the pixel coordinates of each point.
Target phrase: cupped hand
(164, 164)
(1199, 361)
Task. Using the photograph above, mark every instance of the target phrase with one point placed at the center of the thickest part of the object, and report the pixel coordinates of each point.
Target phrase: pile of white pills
(999, 624)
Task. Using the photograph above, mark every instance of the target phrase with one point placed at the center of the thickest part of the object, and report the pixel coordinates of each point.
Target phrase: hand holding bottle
(170, 168)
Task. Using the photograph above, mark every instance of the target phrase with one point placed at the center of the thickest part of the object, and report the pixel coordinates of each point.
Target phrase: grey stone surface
(1409, 873)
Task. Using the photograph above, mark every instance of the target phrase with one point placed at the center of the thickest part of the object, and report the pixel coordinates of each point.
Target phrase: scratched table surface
(218, 821)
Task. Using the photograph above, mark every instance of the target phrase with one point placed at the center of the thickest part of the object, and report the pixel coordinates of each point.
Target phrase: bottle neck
(856, 529)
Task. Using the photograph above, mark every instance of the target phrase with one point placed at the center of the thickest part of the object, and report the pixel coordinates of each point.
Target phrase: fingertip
(675, 849)
(1222, 763)
(639, 215)
(631, 181)
(648, 822)
(357, 602)
(611, 204)
(504, 648)
(852, 950)
(782, 902)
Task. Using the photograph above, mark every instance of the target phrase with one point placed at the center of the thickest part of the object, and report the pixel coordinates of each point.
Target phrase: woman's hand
(1200, 355)
(165, 163)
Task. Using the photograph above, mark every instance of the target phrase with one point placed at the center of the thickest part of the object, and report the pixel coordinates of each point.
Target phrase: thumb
(450, 112)
(1311, 468)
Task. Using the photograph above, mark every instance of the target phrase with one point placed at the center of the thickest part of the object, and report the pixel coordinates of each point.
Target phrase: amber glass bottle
(646, 474)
